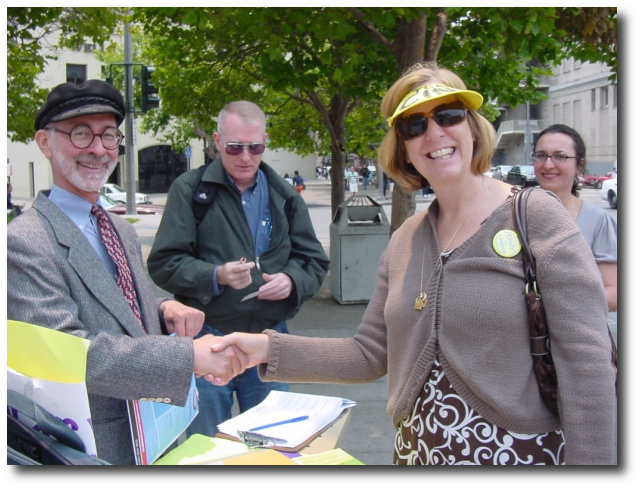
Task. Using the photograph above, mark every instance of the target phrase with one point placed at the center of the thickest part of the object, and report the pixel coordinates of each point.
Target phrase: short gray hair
(248, 111)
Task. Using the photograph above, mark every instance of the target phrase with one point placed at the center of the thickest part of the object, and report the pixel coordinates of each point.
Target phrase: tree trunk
(334, 121)
(408, 50)
(337, 179)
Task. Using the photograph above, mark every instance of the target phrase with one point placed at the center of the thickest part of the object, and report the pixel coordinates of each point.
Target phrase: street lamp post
(129, 153)
(527, 136)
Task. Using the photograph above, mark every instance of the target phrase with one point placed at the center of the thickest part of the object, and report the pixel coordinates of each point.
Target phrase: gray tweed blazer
(55, 279)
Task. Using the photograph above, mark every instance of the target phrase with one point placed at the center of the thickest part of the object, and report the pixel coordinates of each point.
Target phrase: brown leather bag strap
(519, 215)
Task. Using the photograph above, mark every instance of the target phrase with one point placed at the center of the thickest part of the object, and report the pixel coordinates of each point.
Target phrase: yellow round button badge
(506, 243)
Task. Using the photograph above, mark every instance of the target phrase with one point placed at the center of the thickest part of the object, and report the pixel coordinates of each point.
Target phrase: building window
(604, 97)
(593, 100)
(577, 113)
(76, 73)
(556, 114)
(566, 113)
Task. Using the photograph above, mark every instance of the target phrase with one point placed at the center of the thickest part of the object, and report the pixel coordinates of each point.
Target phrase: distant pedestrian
(298, 182)
(353, 181)
(10, 204)
(366, 174)
(385, 184)
(148, 172)
(288, 179)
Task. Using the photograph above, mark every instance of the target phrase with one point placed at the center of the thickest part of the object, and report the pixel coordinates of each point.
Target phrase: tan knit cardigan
(477, 321)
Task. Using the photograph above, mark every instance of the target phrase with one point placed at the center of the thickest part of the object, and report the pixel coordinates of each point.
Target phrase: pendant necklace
(421, 299)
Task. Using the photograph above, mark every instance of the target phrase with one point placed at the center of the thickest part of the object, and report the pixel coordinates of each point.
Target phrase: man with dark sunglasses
(251, 260)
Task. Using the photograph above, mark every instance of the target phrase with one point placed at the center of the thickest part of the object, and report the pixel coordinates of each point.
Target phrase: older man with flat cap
(75, 268)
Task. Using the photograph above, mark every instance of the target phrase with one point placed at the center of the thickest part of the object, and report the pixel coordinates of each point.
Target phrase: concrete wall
(288, 162)
(581, 96)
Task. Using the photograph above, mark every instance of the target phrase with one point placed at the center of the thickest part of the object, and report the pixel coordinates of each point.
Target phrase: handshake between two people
(217, 359)
(220, 359)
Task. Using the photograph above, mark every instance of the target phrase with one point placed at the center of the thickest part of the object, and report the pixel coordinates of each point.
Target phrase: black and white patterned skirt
(443, 429)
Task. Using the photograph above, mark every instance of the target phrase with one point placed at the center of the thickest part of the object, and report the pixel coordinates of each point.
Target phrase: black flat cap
(70, 100)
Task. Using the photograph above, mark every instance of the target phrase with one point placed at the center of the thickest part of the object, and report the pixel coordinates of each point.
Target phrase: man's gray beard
(70, 170)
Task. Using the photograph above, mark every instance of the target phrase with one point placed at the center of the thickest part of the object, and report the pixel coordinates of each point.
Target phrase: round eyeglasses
(558, 158)
(82, 137)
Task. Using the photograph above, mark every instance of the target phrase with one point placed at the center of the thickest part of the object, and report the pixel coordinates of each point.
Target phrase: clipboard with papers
(285, 421)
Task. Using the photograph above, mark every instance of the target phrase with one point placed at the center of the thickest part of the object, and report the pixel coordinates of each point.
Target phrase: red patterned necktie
(114, 248)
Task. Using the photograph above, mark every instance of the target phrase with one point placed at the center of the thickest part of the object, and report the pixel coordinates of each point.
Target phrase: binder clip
(253, 439)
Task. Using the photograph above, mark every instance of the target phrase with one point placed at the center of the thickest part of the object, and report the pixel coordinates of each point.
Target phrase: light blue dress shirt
(79, 211)
(257, 209)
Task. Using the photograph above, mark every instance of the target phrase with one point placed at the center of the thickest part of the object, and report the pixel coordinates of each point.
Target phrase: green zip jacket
(183, 257)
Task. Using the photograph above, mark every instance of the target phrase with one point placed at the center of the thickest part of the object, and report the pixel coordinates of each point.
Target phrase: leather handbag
(543, 366)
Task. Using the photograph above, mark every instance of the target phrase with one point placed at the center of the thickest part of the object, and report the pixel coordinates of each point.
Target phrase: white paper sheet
(280, 406)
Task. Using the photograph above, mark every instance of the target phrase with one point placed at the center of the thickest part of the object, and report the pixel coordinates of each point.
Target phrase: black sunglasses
(446, 115)
(235, 148)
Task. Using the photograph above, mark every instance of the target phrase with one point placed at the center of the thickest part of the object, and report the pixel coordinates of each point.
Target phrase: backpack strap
(203, 195)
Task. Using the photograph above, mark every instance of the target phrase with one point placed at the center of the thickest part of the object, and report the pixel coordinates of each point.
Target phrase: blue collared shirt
(255, 202)
(79, 211)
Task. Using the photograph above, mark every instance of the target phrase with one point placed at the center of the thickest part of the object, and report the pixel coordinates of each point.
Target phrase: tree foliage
(319, 73)
(28, 54)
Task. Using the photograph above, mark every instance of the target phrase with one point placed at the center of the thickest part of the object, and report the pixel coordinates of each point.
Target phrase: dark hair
(578, 147)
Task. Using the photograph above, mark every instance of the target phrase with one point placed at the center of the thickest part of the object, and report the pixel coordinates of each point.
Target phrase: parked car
(121, 208)
(116, 193)
(609, 192)
(595, 181)
(500, 172)
(522, 175)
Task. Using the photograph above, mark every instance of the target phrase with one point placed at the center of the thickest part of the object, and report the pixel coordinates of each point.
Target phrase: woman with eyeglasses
(447, 320)
(559, 158)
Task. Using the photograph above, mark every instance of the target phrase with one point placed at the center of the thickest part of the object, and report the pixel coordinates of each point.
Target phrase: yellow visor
(426, 93)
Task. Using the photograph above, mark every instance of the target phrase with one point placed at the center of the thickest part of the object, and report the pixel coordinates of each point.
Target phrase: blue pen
(282, 422)
(267, 227)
